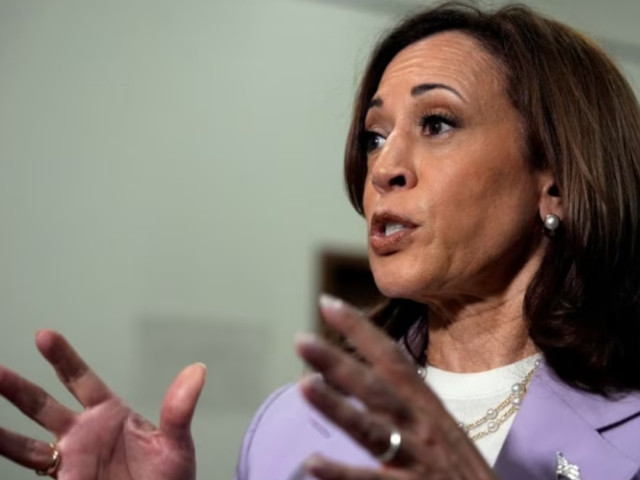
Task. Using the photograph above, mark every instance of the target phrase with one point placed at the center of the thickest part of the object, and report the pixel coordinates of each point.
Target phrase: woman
(495, 159)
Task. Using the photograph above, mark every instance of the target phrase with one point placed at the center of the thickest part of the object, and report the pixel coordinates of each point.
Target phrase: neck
(469, 335)
(478, 338)
(485, 330)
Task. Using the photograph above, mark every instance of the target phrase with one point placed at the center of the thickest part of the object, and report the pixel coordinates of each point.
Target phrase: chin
(398, 282)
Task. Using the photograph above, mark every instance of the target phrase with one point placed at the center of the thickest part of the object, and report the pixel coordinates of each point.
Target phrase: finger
(325, 469)
(74, 373)
(25, 451)
(34, 402)
(180, 402)
(373, 344)
(369, 430)
(422, 422)
(349, 375)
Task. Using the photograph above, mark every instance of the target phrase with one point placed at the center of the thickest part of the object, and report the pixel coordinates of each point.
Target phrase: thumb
(180, 402)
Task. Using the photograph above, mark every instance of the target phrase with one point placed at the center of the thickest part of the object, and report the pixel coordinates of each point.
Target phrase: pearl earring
(551, 224)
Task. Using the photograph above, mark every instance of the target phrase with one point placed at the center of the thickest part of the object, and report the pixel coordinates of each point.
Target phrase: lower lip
(387, 244)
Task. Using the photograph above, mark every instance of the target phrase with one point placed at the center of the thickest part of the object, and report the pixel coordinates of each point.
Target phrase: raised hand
(403, 423)
(106, 440)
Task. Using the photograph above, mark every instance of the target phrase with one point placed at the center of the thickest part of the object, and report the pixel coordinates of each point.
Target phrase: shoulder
(615, 417)
(600, 434)
(284, 432)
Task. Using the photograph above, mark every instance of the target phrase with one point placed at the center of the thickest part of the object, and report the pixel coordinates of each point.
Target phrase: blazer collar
(557, 418)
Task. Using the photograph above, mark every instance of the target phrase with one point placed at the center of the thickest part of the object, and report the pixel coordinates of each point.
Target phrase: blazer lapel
(557, 418)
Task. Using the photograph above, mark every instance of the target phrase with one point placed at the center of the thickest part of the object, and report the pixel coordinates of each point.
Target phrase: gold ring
(53, 463)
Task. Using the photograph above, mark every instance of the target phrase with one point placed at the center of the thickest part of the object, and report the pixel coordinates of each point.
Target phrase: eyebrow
(426, 87)
(418, 90)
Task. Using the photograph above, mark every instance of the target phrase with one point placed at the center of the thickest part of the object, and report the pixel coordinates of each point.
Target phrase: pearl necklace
(490, 422)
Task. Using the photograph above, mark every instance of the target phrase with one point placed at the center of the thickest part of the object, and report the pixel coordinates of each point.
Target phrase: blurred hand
(106, 440)
(395, 398)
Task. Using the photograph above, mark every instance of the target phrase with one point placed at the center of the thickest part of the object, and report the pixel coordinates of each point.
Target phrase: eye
(372, 141)
(437, 124)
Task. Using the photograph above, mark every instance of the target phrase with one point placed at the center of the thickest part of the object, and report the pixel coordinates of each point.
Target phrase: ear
(550, 202)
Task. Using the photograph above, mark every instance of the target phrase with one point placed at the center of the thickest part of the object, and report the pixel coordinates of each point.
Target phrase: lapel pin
(565, 469)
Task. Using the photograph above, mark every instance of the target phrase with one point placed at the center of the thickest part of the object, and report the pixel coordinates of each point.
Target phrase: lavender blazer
(600, 435)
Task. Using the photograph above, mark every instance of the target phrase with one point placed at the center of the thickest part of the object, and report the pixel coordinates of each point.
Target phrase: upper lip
(379, 220)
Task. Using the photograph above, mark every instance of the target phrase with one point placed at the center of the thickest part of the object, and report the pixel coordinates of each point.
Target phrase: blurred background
(171, 187)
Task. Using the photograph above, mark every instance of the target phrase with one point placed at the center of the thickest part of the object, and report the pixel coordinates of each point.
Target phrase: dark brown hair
(583, 124)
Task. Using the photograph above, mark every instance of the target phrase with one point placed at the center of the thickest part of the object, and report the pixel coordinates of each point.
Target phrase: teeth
(391, 228)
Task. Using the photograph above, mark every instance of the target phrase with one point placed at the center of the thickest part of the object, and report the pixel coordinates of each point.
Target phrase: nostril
(398, 181)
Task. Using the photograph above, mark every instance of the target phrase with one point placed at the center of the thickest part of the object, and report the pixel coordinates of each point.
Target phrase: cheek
(474, 204)
(459, 194)
(368, 199)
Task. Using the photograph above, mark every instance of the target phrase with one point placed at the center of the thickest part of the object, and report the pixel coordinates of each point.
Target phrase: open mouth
(392, 227)
(389, 232)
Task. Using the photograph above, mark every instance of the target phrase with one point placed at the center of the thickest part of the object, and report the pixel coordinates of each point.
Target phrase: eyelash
(425, 122)
(440, 118)
(366, 140)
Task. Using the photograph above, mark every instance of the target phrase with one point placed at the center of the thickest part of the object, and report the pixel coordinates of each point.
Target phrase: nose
(393, 168)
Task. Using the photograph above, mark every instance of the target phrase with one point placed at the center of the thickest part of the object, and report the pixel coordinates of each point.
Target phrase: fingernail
(304, 338)
(314, 464)
(305, 343)
(329, 302)
(316, 381)
(201, 364)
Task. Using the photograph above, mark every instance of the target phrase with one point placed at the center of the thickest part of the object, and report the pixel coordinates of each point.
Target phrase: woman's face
(450, 200)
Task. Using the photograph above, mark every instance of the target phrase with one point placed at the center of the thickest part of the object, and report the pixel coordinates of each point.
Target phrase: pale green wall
(168, 171)
(176, 163)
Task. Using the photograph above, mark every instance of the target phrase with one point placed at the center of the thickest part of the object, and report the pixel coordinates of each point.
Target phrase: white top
(468, 396)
